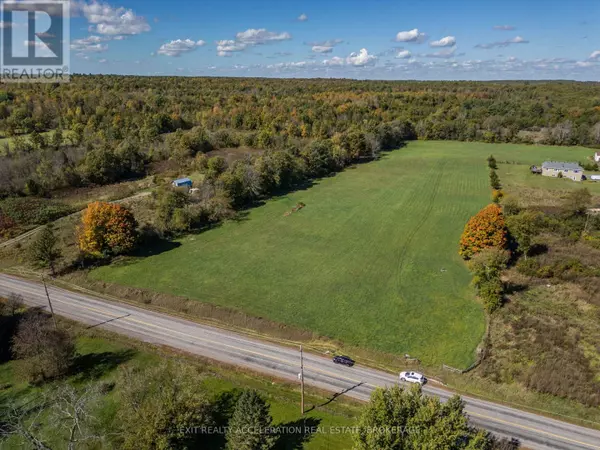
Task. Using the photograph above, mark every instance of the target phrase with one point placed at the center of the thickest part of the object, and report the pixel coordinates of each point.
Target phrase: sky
(369, 39)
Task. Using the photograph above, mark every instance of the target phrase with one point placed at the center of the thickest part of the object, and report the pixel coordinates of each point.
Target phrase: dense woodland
(100, 129)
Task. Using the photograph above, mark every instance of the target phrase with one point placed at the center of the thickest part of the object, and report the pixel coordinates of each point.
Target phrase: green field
(371, 260)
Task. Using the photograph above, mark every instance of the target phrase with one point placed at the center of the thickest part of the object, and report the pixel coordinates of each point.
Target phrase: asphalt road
(534, 431)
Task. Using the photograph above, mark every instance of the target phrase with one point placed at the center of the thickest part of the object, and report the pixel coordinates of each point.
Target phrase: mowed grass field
(371, 260)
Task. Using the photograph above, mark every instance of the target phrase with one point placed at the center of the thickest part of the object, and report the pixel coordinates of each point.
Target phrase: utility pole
(49, 303)
(301, 382)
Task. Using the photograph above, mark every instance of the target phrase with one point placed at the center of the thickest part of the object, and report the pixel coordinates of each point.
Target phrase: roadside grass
(102, 353)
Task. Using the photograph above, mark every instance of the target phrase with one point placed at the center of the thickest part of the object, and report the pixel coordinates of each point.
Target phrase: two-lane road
(534, 431)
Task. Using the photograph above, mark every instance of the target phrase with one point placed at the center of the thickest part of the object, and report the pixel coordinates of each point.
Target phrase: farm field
(371, 260)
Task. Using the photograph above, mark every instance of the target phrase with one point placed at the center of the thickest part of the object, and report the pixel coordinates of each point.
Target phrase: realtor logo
(35, 41)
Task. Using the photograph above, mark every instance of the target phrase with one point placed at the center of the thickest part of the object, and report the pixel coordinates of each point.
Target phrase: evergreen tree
(494, 180)
(492, 162)
(251, 413)
(43, 249)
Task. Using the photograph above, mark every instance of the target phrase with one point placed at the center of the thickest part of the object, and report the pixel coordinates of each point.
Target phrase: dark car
(345, 360)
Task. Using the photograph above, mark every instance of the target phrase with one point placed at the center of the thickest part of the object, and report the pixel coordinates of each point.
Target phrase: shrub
(491, 292)
(484, 230)
(486, 267)
(32, 211)
(6, 223)
(497, 195)
(528, 267)
(510, 206)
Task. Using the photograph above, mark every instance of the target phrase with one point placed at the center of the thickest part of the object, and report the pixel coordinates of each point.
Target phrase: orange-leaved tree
(486, 229)
(106, 229)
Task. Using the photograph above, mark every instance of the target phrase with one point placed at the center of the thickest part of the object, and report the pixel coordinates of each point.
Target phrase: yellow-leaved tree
(106, 229)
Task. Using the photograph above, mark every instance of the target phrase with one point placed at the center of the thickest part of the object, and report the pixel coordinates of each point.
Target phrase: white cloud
(103, 61)
(403, 54)
(595, 55)
(504, 28)
(447, 41)
(325, 46)
(362, 58)
(179, 46)
(356, 59)
(227, 47)
(249, 38)
(411, 36)
(584, 64)
(335, 61)
(322, 49)
(90, 44)
(515, 40)
(112, 21)
(261, 36)
(302, 17)
(444, 54)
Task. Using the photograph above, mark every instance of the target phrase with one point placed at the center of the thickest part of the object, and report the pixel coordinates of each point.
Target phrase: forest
(102, 129)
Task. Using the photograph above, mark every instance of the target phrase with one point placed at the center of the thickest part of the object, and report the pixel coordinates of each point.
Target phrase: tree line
(100, 129)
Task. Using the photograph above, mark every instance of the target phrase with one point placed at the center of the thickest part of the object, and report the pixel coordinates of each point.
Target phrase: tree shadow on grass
(95, 365)
(155, 247)
(296, 434)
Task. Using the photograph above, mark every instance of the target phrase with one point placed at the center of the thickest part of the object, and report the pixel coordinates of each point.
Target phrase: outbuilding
(182, 182)
(559, 169)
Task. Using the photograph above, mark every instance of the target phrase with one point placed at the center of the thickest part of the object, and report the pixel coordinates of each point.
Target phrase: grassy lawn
(102, 353)
(371, 260)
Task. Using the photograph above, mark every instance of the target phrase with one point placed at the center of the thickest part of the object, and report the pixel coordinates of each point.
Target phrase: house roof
(182, 180)
(561, 165)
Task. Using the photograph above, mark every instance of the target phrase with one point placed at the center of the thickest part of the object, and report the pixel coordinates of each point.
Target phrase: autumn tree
(107, 229)
(485, 229)
(43, 251)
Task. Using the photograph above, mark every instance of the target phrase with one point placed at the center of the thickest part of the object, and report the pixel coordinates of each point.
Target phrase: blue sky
(380, 39)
